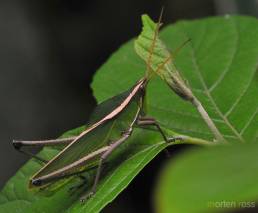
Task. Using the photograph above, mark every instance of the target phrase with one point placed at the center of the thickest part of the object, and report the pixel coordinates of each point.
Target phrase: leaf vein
(189, 130)
(226, 70)
(249, 121)
(241, 95)
(197, 69)
(183, 113)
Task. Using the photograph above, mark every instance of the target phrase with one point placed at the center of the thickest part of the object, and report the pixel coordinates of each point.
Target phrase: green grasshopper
(110, 125)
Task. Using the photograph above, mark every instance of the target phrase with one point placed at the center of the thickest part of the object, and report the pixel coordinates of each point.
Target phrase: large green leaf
(217, 43)
(210, 180)
(220, 64)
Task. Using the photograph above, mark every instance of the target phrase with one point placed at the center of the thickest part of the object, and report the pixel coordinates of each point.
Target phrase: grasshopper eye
(36, 182)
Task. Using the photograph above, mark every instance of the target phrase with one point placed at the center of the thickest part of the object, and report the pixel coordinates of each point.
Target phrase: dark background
(49, 51)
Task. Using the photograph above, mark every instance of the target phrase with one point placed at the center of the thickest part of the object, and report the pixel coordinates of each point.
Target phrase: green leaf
(220, 64)
(214, 46)
(209, 180)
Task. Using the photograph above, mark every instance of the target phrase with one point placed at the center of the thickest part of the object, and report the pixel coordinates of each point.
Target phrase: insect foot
(86, 196)
(173, 139)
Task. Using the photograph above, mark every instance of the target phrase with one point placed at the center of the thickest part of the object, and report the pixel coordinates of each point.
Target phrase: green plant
(220, 65)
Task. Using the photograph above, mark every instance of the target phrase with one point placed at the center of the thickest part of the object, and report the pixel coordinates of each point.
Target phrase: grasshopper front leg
(149, 121)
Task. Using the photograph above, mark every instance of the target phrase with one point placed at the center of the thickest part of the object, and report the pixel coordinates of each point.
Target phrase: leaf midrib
(206, 90)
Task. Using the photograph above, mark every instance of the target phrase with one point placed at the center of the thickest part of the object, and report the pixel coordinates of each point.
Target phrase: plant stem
(187, 139)
(195, 141)
(208, 120)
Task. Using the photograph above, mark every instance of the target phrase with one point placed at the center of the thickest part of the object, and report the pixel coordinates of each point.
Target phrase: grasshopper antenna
(151, 50)
(170, 57)
(180, 47)
(163, 64)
